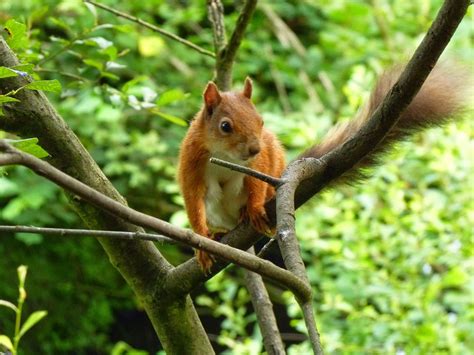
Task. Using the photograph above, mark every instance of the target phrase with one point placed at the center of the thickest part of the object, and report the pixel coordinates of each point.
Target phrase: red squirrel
(229, 127)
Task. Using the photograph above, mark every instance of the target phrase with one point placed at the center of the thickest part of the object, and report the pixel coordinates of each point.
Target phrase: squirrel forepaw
(205, 261)
(258, 218)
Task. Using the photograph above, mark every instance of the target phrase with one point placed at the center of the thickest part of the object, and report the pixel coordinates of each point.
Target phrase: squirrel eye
(226, 127)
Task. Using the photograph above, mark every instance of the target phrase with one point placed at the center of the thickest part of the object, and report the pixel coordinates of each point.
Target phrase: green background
(390, 259)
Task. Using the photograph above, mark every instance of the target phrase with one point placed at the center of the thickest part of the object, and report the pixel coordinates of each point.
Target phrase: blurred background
(390, 260)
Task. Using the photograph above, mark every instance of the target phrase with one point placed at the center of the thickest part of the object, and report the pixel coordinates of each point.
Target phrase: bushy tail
(443, 96)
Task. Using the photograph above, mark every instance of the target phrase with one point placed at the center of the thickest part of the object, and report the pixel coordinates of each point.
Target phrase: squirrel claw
(205, 261)
(259, 220)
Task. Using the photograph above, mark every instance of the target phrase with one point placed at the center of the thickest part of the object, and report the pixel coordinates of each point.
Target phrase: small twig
(88, 233)
(239, 257)
(153, 28)
(264, 310)
(275, 182)
(272, 245)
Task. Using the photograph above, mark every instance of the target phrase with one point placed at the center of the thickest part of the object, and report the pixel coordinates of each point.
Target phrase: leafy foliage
(389, 259)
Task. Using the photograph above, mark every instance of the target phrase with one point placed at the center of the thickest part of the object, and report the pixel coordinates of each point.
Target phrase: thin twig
(152, 27)
(239, 257)
(275, 182)
(264, 310)
(89, 233)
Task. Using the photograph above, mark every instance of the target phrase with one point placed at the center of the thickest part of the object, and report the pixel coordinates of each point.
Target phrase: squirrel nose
(254, 149)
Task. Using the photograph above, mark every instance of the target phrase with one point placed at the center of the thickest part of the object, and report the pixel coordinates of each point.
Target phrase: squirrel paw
(258, 218)
(205, 261)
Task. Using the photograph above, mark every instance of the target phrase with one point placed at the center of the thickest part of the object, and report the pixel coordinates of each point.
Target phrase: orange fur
(248, 143)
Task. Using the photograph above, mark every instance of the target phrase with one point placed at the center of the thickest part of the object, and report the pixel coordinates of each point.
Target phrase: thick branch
(239, 257)
(424, 58)
(139, 262)
(152, 27)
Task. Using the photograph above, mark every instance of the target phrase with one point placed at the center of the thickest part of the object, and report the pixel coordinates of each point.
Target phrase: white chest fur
(225, 197)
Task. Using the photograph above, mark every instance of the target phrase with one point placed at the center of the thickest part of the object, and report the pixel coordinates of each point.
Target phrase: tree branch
(296, 172)
(215, 11)
(226, 53)
(275, 182)
(264, 310)
(87, 232)
(152, 27)
(239, 257)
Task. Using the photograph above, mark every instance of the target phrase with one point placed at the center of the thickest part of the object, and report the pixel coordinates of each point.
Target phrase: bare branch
(152, 27)
(275, 182)
(88, 233)
(264, 310)
(239, 257)
(296, 172)
(226, 53)
(215, 11)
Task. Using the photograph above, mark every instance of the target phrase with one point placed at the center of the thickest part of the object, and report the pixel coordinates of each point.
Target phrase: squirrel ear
(247, 92)
(212, 98)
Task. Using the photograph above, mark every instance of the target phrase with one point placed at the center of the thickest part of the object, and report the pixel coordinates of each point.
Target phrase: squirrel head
(233, 125)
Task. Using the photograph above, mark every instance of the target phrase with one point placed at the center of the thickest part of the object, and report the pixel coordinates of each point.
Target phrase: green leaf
(171, 118)
(45, 85)
(29, 146)
(7, 72)
(28, 68)
(6, 342)
(17, 34)
(8, 305)
(94, 63)
(34, 318)
(4, 98)
(170, 96)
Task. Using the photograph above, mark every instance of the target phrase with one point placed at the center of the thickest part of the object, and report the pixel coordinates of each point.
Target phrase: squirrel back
(442, 97)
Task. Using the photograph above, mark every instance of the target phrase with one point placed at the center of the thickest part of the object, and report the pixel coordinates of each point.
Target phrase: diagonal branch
(283, 277)
(152, 27)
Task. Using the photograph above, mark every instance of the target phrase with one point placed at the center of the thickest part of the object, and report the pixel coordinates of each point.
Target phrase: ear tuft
(247, 92)
(212, 98)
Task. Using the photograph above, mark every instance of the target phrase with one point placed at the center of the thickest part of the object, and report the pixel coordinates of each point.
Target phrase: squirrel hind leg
(205, 261)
